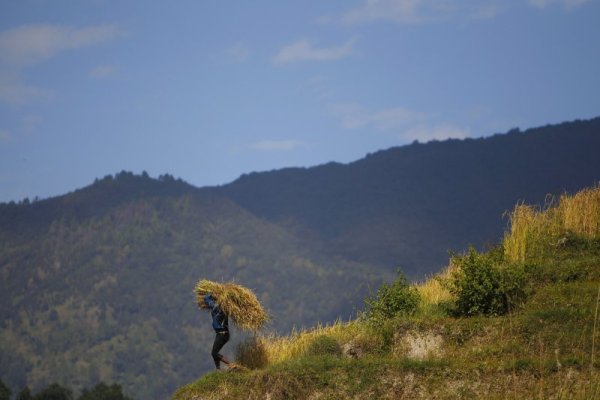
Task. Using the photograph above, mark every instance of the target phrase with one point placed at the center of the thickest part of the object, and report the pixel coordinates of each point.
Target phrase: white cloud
(485, 12)
(404, 11)
(407, 124)
(354, 116)
(30, 44)
(424, 133)
(303, 50)
(566, 3)
(15, 92)
(417, 11)
(238, 52)
(102, 71)
(278, 145)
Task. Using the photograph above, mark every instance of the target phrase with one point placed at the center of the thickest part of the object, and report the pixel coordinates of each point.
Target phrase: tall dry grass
(433, 291)
(278, 348)
(581, 212)
(532, 230)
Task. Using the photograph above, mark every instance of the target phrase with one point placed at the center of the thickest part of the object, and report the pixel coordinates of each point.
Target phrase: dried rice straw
(238, 302)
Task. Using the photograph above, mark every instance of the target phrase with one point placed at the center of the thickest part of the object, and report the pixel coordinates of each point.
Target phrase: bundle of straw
(238, 302)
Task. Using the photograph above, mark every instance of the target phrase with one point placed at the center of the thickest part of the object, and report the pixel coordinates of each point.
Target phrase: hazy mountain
(97, 284)
(407, 206)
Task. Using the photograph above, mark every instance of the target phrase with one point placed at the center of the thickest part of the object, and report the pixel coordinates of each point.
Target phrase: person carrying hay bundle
(220, 323)
(224, 301)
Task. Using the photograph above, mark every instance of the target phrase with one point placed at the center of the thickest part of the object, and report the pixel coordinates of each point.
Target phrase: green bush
(102, 391)
(4, 391)
(55, 392)
(484, 285)
(399, 298)
(324, 345)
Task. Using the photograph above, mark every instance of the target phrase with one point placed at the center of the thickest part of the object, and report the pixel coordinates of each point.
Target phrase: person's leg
(220, 340)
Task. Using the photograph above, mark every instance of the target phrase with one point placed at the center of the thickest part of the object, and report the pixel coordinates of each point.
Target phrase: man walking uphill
(220, 324)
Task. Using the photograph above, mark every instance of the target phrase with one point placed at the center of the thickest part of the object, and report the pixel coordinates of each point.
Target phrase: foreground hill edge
(545, 347)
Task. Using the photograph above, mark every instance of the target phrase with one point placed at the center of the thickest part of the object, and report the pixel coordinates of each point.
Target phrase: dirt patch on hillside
(418, 345)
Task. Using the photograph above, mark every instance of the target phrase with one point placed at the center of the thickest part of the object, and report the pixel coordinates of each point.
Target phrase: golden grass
(581, 212)
(432, 291)
(237, 301)
(282, 348)
(532, 229)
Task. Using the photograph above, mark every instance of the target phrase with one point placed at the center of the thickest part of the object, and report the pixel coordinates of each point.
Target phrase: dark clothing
(220, 324)
(220, 339)
(219, 318)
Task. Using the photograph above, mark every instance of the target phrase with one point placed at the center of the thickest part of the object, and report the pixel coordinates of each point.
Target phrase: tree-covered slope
(107, 296)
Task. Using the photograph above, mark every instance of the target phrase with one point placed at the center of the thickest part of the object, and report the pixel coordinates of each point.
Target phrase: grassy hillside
(455, 343)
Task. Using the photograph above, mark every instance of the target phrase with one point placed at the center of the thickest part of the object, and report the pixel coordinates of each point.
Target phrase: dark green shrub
(483, 284)
(324, 345)
(252, 353)
(55, 392)
(4, 391)
(102, 391)
(399, 298)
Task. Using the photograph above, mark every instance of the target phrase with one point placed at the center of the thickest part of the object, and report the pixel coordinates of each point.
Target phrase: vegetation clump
(324, 345)
(534, 232)
(237, 301)
(252, 353)
(482, 284)
(396, 299)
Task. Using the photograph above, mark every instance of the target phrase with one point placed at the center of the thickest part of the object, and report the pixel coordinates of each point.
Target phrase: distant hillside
(407, 206)
(97, 284)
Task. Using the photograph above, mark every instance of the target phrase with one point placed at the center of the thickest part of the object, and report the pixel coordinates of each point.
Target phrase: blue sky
(208, 90)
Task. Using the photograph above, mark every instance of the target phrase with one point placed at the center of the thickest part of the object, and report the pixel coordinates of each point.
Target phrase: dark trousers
(220, 339)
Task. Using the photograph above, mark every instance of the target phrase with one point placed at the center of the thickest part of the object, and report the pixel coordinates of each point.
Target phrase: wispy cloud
(102, 71)
(485, 12)
(424, 133)
(416, 11)
(303, 50)
(407, 124)
(13, 91)
(354, 116)
(278, 145)
(565, 3)
(404, 11)
(30, 44)
(239, 52)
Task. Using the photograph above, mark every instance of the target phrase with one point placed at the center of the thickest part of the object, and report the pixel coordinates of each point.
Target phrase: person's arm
(210, 301)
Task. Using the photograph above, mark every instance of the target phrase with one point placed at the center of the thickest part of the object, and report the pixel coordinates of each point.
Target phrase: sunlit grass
(433, 291)
(533, 230)
(282, 348)
(545, 348)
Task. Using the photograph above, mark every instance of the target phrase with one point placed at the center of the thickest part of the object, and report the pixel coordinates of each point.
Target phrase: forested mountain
(96, 285)
(110, 296)
(407, 206)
